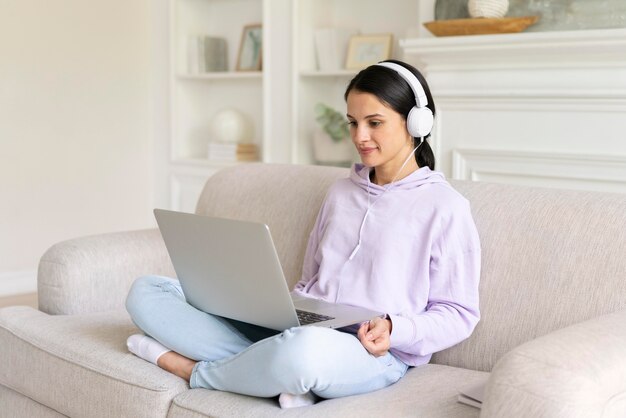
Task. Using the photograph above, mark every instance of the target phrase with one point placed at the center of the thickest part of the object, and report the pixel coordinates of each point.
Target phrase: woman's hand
(374, 335)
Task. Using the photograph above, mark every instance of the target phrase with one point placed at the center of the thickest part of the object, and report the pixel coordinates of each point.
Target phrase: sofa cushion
(79, 365)
(426, 391)
(550, 259)
(17, 405)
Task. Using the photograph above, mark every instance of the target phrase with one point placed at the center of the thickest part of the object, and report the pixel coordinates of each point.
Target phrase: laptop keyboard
(307, 318)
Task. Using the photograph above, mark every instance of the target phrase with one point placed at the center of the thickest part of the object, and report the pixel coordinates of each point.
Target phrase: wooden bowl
(480, 25)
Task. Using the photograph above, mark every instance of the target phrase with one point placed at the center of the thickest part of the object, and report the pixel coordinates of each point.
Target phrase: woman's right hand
(375, 336)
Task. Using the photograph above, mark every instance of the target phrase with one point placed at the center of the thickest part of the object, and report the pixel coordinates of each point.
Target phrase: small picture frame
(250, 48)
(365, 50)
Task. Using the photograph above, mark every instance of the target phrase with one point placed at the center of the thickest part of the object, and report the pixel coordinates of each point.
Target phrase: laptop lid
(228, 268)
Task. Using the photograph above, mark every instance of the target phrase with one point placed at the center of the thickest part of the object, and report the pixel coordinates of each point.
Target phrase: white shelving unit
(309, 84)
(280, 99)
(195, 98)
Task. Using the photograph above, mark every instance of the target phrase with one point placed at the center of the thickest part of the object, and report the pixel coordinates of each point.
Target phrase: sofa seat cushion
(426, 391)
(16, 405)
(79, 365)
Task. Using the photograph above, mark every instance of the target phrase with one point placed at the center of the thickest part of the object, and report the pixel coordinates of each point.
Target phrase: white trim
(17, 283)
(494, 102)
(560, 49)
(572, 171)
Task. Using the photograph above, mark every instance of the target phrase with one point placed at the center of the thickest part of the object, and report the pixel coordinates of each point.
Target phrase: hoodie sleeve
(452, 310)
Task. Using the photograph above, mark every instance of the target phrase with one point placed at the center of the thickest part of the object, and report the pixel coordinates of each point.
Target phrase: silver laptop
(230, 268)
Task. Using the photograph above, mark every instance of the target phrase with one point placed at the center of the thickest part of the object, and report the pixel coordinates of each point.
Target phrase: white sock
(146, 347)
(287, 400)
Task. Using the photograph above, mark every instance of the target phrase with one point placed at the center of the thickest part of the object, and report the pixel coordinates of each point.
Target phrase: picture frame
(250, 53)
(365, 50)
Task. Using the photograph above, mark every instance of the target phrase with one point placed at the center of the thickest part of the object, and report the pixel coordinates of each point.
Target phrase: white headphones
(419, 122)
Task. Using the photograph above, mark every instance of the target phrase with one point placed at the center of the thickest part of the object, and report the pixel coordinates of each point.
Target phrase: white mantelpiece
(551, 98)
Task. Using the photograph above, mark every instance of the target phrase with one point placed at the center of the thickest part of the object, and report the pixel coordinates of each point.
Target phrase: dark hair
(393, 90)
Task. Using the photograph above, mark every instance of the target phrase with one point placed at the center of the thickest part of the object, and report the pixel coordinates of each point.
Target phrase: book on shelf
(228, 151)
(206, 54)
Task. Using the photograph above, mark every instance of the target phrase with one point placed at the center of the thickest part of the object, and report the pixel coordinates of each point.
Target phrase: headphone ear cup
(420, 121)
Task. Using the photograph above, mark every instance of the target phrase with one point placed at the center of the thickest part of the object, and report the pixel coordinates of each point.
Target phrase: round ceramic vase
(487, 8)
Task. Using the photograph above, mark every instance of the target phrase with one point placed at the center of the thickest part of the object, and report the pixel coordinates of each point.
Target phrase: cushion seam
(548, 364)
(6, 385)
(533, 394)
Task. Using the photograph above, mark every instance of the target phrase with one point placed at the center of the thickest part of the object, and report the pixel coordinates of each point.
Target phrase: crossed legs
(211, 353)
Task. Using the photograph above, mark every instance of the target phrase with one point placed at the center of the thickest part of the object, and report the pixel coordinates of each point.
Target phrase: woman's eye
(375, 123)
(351, 123)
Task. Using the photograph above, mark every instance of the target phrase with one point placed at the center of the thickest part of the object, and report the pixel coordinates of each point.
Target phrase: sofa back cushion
(549, 258)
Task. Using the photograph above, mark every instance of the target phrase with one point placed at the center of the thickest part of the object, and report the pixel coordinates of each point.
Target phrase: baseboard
(18, 283)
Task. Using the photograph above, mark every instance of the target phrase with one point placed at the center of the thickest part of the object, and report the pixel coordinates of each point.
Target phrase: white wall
(76, 125)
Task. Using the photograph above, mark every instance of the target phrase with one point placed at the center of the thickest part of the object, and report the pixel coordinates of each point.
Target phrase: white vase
(330, 152)
(487, 8)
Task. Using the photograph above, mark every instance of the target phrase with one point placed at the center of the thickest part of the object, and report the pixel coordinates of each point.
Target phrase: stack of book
(229, 151)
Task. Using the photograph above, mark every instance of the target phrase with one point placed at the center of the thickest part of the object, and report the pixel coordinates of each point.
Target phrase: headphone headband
(420, 96)
(420, 119)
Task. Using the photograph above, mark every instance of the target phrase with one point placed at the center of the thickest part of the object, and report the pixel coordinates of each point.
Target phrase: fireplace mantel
(520, 50)
(588, 63)
(543, 99)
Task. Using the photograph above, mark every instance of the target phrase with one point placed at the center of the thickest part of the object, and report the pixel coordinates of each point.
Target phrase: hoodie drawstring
(370, 206)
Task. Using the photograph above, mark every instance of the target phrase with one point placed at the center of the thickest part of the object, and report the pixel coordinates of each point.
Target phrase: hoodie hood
(360, 175)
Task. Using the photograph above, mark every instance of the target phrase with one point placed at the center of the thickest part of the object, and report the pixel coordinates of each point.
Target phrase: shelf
(225, 75)
(555, 49)
(328, 74)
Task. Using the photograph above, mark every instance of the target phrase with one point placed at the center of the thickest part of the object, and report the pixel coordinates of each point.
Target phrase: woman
(393, 237)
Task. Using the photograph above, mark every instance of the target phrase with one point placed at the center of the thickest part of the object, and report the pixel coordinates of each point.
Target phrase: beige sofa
(553, 328)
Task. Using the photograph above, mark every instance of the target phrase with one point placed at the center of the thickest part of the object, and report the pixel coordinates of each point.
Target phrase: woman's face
(378, 132)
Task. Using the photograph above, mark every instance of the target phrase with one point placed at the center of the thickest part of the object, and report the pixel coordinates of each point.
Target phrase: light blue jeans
(237, 357)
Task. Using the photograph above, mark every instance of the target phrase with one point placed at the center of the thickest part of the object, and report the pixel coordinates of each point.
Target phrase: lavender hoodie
(418, 261)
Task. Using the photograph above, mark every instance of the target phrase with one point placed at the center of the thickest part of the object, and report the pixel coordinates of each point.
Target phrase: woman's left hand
(374, 335)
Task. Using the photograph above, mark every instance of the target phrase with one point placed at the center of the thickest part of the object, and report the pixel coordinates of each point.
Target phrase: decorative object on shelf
(487, 8)
(481, 26)
(231, 152)
(331, 144)
(250, 48)
(365, 50)
(331, 47)
(230, 125)
(333, 122)
(553, 14)
(206, 54)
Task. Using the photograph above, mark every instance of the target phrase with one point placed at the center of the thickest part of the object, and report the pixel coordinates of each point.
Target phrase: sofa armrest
(578, 371)
(93, 274)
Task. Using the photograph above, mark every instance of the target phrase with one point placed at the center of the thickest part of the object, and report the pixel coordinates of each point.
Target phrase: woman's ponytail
(424, 154)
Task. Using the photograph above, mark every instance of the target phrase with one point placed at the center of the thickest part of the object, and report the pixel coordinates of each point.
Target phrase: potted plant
(331, 141)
